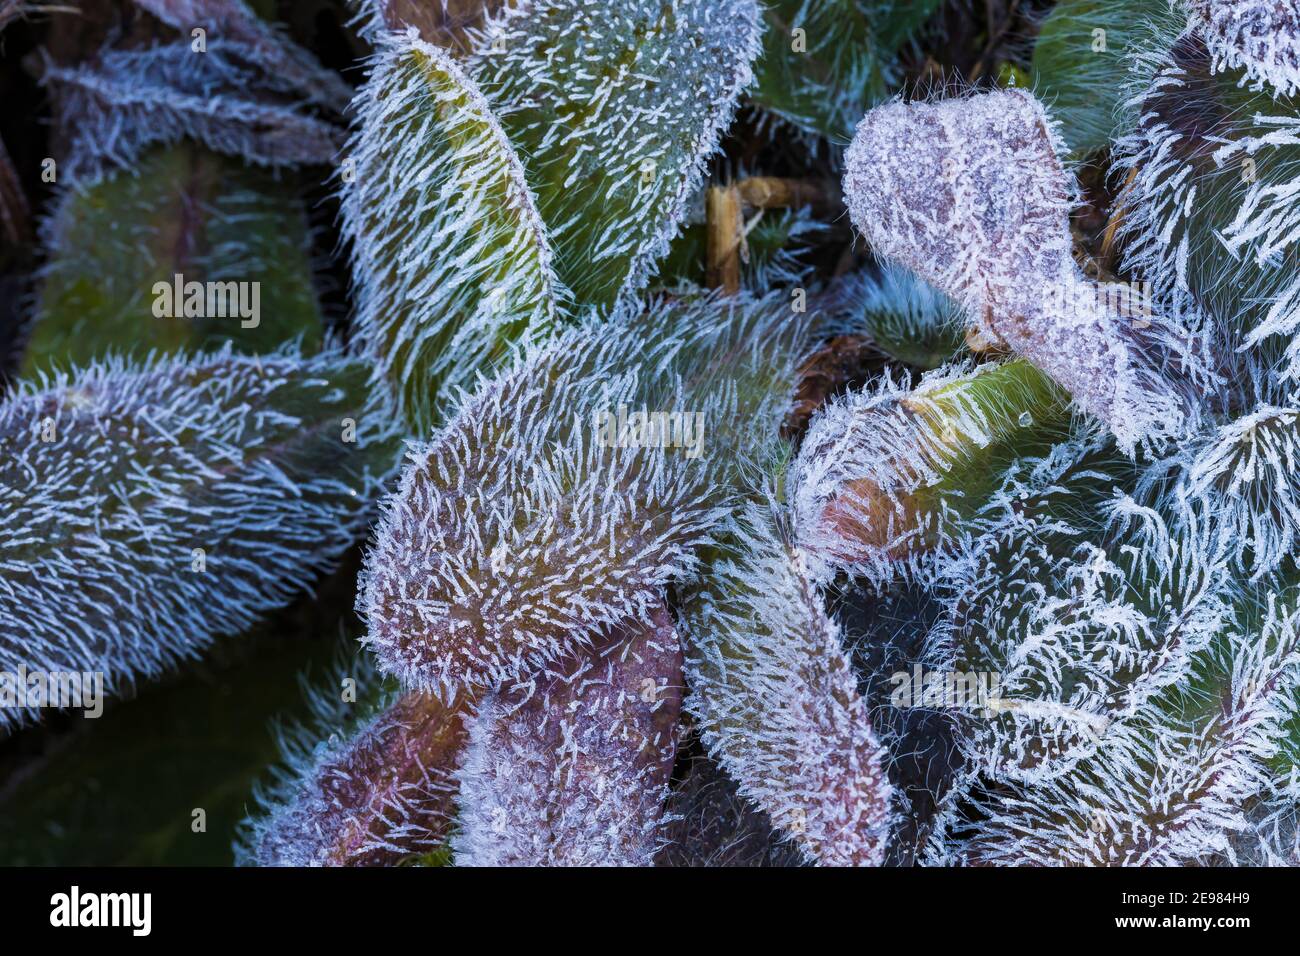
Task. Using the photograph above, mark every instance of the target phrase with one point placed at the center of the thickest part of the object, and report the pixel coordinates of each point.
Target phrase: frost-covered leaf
(370, 782)
(1083, 602)
(232, 28)
(570, 490)
(970, 194)
(1174, 782)
(1210, 207)
(123, 100)
(146, 508)
(1080, 61)
(453, 263)
(776, 699)
(614, 109)
(188, 212)
(888, 475)
(1244, 476)
(906, 318)
(825, 62)
(572, 768)
(1261, 37)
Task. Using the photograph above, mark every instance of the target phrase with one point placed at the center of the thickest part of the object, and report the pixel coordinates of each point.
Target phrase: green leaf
(145, 509)
(615, 109)
(826, 62)
(452, 260)
(1080, 64)
(185, 211)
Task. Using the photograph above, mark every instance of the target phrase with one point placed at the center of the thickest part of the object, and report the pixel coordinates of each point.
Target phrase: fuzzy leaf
(452, 259)
(1080, 61)
(490, 562)
(888, 475)
(360, 790)
(1260, 36)
(1084, 602)
(146, 508)
(185, 211)
(901, 315)
(232, 26)
(615, 108)
(572, 769)
(776, 698)
(1172, 784)
(1244, 476)
(125, 100)
(1209, 209)
(825, 62)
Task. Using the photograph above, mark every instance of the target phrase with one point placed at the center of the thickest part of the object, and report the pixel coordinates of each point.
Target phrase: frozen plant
(141, 503)
(454, 263)
(361, 790)
(572, 769)
(491, 561)
(776, 697)
(1260, 36)
(971, 195)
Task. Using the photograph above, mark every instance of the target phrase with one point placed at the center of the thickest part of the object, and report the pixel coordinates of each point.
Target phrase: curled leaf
(971, 195)
(453, 262)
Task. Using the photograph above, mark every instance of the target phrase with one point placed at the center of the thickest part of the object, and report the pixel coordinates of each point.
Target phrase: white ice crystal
(572, 768)
(970, 194)
(1260, 36)
(145, 509)
(776, 698)
(615, 109)
(453, 263)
